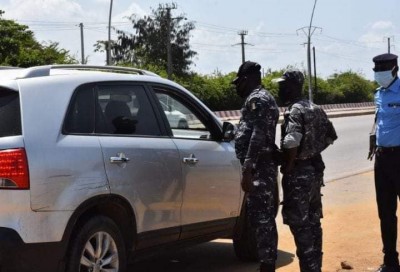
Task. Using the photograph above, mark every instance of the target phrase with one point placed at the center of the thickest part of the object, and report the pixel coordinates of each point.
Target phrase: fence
(235, 114)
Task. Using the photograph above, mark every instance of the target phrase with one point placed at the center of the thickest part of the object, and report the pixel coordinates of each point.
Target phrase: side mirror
(228, 131)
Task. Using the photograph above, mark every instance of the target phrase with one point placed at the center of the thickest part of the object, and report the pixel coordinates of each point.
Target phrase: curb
(332, 110)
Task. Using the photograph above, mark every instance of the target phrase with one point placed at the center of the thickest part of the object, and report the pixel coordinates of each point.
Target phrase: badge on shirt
(394, 105)
(253, 105)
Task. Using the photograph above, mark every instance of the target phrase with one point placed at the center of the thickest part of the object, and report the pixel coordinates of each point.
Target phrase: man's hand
(247, 176)
(289, 156)
(247, 180)
(372, 146)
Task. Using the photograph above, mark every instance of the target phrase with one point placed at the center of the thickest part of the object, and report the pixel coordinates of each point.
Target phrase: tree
(19, 48)
(351, 87)
(147, 47)
(216, 91)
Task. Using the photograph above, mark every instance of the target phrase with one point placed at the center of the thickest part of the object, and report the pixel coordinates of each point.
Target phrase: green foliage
(19, 48)
(215, 91)
(271, 86)
(148, 45)
(350, 88)
(218, 93)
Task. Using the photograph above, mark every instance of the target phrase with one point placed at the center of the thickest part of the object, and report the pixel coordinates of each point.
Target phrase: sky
(347, 33)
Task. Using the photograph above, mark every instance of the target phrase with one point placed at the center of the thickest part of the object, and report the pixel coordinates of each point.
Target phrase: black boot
(386, 268)
(264, 267)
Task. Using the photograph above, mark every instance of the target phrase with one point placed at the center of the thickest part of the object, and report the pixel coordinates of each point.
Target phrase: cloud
(383, 26)
(377, 32)
(44, 10)
(132, 9)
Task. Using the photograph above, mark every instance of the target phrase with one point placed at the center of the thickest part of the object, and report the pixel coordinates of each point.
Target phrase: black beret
(385, 58)
(247, 68)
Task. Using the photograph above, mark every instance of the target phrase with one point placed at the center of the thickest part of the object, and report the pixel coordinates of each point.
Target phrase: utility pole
(108, 45)
(309, 31)
(315, 71)
(242, 34)
(389, 46)
(242, 43)
(82, 45)
(169, 49)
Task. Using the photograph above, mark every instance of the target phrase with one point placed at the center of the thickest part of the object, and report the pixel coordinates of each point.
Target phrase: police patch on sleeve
(256, 106)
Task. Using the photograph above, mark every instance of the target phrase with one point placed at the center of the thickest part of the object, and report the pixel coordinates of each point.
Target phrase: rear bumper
(17, 256)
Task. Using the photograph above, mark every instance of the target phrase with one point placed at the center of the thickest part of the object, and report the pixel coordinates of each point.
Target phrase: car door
(141, 163)
(211, 189)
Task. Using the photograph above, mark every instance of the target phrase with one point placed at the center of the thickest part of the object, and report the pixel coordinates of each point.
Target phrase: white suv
(92, 173)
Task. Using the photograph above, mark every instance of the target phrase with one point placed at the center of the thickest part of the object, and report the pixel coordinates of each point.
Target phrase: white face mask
(384, 78)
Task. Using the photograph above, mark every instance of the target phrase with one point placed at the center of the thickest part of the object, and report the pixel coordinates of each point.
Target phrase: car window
(111, 109)
(184, 121)
(80, 116)
(9, 113)
(126, 109)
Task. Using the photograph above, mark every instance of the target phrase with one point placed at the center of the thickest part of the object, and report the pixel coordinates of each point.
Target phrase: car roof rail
(39, 71)
(9, 68)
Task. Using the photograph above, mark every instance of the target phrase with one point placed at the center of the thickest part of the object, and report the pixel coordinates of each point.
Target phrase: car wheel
(97, 246)
(183, 124)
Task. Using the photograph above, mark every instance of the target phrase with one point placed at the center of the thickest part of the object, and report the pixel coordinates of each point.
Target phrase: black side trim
(17, 256)
(199, 229)
(156, 237)
(153, 242)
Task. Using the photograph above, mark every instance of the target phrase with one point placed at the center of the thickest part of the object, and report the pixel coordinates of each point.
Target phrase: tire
(86, 254)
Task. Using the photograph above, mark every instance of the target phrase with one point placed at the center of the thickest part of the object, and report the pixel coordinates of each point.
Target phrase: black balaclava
(248, 76)
(290, 86)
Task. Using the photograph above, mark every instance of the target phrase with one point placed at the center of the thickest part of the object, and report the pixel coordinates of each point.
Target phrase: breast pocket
(392, 114)
(393, 108)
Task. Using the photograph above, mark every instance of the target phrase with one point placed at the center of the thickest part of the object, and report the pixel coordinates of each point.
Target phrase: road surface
(348, 155)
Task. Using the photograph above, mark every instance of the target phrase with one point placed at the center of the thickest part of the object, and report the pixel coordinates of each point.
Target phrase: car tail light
(14, 172)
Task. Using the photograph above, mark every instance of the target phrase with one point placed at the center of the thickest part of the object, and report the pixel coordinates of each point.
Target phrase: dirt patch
(350, 225)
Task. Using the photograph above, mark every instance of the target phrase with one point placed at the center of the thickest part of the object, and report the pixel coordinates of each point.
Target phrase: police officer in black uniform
(385, 142)
(255, 144)
(306, 132)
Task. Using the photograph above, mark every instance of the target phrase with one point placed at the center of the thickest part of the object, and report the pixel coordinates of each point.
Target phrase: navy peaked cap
(387, 57)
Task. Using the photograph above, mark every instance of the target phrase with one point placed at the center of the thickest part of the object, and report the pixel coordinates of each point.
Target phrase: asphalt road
(345, 158)
(348, 155)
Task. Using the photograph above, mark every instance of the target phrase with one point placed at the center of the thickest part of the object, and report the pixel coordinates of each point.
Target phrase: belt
(303, 162)
(383, 149)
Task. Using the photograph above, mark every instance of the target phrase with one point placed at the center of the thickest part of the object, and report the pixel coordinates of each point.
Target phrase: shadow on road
(213, 256)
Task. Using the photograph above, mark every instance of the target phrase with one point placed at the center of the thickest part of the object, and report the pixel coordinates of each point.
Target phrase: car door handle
(191, 160)
(121, 158)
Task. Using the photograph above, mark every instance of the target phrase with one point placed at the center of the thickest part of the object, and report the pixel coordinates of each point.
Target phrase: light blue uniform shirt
(388, 115)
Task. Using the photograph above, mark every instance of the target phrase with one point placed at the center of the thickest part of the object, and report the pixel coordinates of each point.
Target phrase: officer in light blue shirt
(387, 150)
(387, 100)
